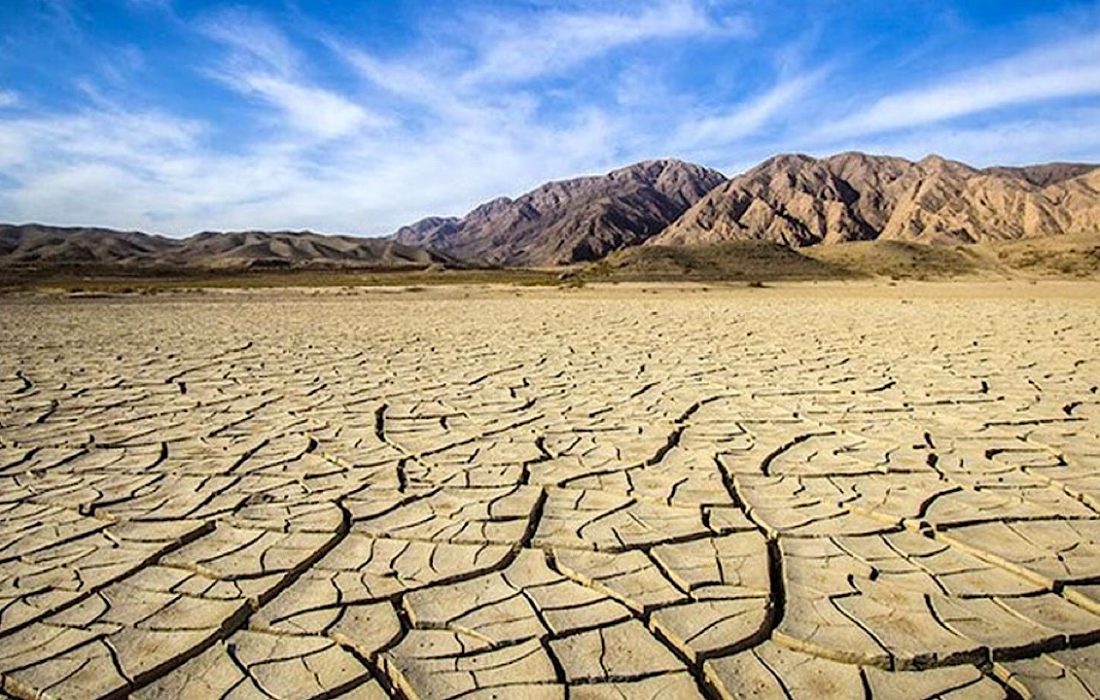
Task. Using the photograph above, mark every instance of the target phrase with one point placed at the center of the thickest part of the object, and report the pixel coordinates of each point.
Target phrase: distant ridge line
(795, 200)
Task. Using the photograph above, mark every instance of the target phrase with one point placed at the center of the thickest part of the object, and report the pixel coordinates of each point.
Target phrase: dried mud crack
(578, 495)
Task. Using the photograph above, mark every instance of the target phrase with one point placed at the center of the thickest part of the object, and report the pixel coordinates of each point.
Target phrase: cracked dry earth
(561, 496)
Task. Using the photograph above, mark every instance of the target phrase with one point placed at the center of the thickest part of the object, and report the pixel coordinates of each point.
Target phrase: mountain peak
(938, 164)
(783, 161)
(575, 220)
(660, 165)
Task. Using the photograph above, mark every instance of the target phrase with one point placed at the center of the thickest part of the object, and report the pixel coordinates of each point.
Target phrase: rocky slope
(34, 245)
(798, 200)
(572, 220)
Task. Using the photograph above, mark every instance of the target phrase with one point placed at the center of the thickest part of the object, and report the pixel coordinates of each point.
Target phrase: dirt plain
(803, 491)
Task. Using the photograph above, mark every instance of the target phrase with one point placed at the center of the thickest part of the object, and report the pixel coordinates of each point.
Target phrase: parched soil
(806, 493)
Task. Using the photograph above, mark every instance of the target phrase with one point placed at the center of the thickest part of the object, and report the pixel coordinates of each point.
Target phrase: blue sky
(176, 116)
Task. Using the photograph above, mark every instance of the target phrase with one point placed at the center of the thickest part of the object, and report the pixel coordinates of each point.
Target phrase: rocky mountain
(34, 245)
(430, 232)
(572, 220)
(797, 200)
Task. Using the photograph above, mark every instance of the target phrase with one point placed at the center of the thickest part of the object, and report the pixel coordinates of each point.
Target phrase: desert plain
(800, 491)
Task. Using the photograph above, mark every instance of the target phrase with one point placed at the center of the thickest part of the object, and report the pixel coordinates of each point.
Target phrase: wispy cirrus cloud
(1071, 134)
(262, 63)
(508, 51)
(8, 98)
(494, 56)
(746, 118)
(310, 109)
(114, 166)
(1065, 69)
(256, 43)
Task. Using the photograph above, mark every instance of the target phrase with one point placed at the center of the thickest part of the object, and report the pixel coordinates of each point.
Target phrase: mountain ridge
(38, 245)
(570, 221)
(799, 200)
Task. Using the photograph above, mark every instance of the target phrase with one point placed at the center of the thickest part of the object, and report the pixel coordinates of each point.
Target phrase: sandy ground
(829, 490)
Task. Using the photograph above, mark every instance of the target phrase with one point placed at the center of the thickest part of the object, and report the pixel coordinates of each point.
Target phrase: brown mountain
(798, 200)
(429, 232)
(34, 245)
(571, 220)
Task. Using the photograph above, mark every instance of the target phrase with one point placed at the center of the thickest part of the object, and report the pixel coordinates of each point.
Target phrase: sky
(359, 116)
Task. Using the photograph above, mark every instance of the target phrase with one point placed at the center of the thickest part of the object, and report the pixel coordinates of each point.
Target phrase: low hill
(735, 261)
(902, 259)
(1057, 256)
(34, 244)
(37, 246)
(1071, 256)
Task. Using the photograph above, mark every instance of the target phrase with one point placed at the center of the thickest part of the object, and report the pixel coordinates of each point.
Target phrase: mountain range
(791, 200)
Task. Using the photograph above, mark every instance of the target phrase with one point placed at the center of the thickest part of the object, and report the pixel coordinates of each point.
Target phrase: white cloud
(398, 78)
(263, 63)
(1070, 135)
(483, 70)
(310, 109)
(1067, 69)
(746, 118)
(8, 98)
(475, 90)
(97, 134)
(253, 40)
(154, 172)
(125, 168)
(510, 51)
(433, 91)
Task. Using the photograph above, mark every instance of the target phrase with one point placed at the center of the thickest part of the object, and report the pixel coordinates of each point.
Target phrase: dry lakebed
(802, 491)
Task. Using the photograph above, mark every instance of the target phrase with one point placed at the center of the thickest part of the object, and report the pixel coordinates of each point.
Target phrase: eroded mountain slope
(571, 220)
(798, 200)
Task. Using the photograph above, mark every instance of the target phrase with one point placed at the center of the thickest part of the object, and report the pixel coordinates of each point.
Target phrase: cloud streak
(1044, 73)
(747, 117)
(311, 110)
(263, 64)
(559, 41)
